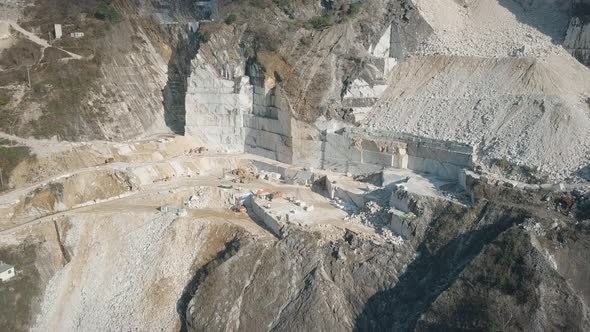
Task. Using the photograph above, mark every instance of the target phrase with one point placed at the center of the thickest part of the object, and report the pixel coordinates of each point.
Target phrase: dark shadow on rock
(429, 275)
(581, 9)
(584, 172)
(549, 17)
(179, 70)
(182, 305)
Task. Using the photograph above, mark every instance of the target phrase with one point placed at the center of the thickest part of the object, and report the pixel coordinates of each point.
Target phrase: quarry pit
(138, 212)
(405, 165)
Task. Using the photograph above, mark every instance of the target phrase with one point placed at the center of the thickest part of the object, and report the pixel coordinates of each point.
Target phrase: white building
(77, 34)
(58, 31)
(6, 271)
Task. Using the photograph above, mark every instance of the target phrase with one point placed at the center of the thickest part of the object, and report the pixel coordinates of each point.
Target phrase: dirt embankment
(64, 194)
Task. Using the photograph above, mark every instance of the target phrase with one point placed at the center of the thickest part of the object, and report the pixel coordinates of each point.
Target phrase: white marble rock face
(215, 107)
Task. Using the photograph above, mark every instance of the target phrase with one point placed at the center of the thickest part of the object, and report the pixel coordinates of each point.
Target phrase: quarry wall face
(243, 115)
(249, 114)
(245, 110)
(364, 151)
(234, 114)
(214, 108)
(268, 122)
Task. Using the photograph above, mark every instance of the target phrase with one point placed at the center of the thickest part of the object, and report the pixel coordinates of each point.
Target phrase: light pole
(29, 76)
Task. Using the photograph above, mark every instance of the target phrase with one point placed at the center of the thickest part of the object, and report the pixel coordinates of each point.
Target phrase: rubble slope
(530, 111)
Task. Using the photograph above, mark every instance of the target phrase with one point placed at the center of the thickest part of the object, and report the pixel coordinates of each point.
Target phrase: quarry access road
(40, 41)
(152, 195)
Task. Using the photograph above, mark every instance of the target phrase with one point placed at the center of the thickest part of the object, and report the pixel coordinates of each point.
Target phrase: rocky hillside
(497, 75)
(577, 37)
(107, 256)
(505, 265)
(149, 232)
(105, 84)
(493, 74)
(350, 62)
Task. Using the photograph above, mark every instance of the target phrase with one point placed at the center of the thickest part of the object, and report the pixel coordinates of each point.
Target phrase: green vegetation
(285, 6)
(305, 41)
(23, 53)
(320, 22)
(41, 88)
(205, 36)
(59, 90)
(231, 19)
(4, 100)
(62, 90)
(266, 40)
(353, 9)
(10, 156)
(106, 12)
(508, 269)
(504, 164)
(260, 4)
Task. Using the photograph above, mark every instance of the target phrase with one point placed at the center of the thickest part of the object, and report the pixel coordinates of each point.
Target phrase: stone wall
(268, 123)
(577, 40)
(308, 144)
(441, 158)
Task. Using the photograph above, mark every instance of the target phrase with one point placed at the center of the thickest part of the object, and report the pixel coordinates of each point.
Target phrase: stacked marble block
(361, 156)
(361, 151)
(445, 160)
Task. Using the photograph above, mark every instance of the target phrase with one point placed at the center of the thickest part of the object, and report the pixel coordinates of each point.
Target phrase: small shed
(58, 31)
(6, 271)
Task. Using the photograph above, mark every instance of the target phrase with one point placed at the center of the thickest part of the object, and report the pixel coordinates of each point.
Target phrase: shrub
(258, 3)
(106, 12)
(507, 269)
(353, 9)
(205, 36)
(285, 6)
(320, 22)
(504, 164)
(265, 40)
(230, 19)
(305, 41)
(4, 100)
(10, 157)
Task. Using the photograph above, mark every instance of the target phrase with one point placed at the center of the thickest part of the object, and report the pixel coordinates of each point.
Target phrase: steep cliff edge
(496, 265)
(496, 75)
(577, 39)
(266, 76)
